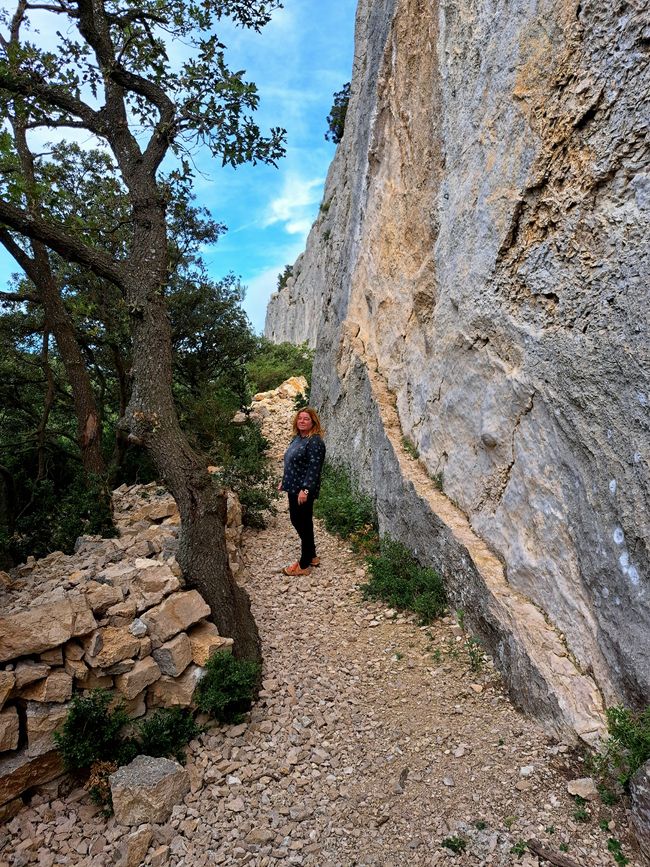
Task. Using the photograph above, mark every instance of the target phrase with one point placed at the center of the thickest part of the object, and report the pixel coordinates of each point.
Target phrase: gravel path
(373, 741)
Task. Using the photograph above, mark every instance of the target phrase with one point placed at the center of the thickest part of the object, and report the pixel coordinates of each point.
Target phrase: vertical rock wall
(477, 280)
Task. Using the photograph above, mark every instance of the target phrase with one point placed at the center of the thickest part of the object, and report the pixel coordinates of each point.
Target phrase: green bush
(628, 745)
(275, 362)
(167, 732)
(91, 732)
(245, 469)
(398, 579)
(344, 511)
(227, 688)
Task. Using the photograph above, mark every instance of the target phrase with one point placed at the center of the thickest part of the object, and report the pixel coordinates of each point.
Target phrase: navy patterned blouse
(303, 463)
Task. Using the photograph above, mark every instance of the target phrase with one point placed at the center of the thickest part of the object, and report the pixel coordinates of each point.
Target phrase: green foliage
(92, 732)
(456, 844)
(614, 846)
(98, 785)
(272, 363)
(628, 745)
(302, 399)
(410, 448)
(438, 481)
(581, 813)
(519, 848)
(475, 653)
(246, 470)
(344, 511)
(399, 580)
(284, 276)
(167, 732)
(227, 688)
(338, 112)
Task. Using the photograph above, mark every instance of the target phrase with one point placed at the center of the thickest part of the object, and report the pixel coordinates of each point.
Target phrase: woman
(303, 463)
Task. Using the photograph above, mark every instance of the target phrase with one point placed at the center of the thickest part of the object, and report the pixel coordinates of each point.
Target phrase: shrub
(338, 112)
(167, 733)
(275, 362)
(227, 688)
(628, 745)
(99, 787)
(343, 509)
(456, 844)
(247, 471)
(91, 732)
(398, 579)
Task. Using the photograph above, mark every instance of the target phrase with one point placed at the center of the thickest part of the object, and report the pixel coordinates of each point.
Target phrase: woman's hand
(302, 497)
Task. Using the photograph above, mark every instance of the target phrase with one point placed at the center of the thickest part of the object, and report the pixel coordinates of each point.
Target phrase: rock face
(640, 793)
(476, 281)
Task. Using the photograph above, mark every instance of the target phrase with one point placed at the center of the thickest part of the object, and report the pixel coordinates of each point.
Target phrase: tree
(110, 75)
(336, 117)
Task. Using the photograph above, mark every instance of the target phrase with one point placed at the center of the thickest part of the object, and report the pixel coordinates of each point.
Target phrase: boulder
(111, 645)
(174, 656)
(56, 687)
(22, 772)
(52, 657)
(102, 596)
(147, 789)
(640, 812)
(134, 847)
(585, 787)
(42, 627)
(205, 640)
(9, 729)
(175, 691)
(27, 671)
(7, 681)
(42, 721)
(143, 674)
(174, 615)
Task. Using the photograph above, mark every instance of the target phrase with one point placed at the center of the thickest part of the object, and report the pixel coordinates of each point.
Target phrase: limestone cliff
(477, 281)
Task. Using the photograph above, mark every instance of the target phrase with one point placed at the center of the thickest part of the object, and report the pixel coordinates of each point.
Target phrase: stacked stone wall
(115, 614)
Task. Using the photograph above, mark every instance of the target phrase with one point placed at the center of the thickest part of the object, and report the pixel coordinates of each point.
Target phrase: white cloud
(294, 207)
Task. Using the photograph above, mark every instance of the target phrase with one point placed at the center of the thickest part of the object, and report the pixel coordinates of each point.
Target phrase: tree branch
(34, 85)
(18, 297)
(61, 242)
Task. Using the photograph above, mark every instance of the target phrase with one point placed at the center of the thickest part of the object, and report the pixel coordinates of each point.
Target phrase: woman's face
(304, 422)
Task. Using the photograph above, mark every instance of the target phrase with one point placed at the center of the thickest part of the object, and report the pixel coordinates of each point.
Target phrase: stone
(138, 628)
(56, 687)
(585, 787)
(640, 810)
(159, 857)
(110, 645)
(134, 846)
(21, 772)
(205, 640)
(147, 789)
(143, 674)
(102, 596)
(9, 729)
(174, 615)
(42, 627)
(42, 720)
(73, 650)
(77, 669)
(52, 657)
(175, 691)
(7, 682)
(121, 614)
(174, 656)
(27, 671)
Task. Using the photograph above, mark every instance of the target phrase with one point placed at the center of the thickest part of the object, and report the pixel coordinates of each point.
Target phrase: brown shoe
(295, 569)
(315, 561)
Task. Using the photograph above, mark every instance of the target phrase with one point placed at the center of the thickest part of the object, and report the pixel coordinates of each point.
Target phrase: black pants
(302, 518)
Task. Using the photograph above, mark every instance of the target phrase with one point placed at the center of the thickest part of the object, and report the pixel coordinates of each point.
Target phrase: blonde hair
(313, 415)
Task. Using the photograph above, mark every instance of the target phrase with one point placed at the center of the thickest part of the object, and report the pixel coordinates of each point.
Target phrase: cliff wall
(477, 281)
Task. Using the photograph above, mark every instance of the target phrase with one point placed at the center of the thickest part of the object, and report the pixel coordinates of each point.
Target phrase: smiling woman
(303, 466)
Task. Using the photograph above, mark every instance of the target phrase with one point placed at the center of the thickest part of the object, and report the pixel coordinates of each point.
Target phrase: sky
(297, 62)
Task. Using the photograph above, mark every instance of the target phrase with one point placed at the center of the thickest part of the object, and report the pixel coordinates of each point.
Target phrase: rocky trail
(374, 742)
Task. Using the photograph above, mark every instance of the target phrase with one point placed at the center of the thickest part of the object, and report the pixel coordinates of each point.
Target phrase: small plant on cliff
(398, 579)
(227, 688)
(91, 732)
(410, 448)
(336, 117)
(284, 276)
(167, 733)
(628, 745)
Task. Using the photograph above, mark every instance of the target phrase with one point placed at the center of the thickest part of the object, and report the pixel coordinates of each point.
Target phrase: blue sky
(297, 61)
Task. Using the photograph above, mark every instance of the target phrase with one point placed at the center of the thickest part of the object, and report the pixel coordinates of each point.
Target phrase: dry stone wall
(477, 281)
(115, 614)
